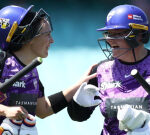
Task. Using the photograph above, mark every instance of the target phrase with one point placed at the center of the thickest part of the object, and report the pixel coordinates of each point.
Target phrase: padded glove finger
(85, 95)
(11, 125)
(130, 118)
(28, 126)
(145, 130)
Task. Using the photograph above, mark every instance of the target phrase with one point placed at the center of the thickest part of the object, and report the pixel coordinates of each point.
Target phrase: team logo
(4, 23)
(110, 15)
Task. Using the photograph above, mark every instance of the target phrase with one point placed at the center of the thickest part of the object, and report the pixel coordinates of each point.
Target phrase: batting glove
(28, 126)
(130, 119)
(145, 130)
(11, 127)
(85, 95)
(4, 132)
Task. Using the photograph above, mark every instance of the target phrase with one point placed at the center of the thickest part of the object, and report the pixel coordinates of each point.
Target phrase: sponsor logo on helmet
(135, 17)
(4, 23)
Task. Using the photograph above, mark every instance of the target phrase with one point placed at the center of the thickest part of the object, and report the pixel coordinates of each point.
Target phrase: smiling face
(117, 43)
(120, 48)
(41, 43)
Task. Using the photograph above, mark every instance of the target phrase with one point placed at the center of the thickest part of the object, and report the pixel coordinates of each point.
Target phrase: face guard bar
(132, 34)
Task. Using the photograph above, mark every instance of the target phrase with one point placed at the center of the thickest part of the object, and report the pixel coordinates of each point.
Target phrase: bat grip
(141, 80)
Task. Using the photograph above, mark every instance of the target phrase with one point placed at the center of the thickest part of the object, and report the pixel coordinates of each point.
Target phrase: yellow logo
(4, 23)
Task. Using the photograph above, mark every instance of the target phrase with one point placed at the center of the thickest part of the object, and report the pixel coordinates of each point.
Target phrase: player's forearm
(2, 110)
(46, 106)
(69, 93)
(43, 114)
(43, 108)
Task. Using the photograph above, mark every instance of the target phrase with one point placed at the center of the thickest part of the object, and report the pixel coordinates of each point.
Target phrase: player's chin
(114, 55)
(44, 55)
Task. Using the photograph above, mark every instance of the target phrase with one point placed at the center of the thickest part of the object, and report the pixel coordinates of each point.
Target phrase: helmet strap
(131, 38)
(133, 52)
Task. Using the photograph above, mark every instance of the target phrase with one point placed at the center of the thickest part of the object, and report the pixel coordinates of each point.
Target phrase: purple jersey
(23, 92)
(118, 87)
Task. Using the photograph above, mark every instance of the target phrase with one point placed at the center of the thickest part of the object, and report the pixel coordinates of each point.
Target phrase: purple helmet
(134, 22)
(8, 16)
(122, 16)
